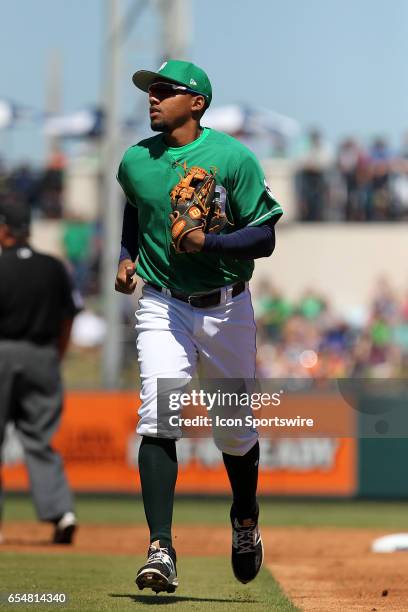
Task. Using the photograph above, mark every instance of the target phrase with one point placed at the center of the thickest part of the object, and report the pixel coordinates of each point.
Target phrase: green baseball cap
(177, 71)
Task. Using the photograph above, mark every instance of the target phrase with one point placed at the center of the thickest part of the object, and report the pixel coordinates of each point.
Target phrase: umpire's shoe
(65, 528)
(247, 548)
(159, 573)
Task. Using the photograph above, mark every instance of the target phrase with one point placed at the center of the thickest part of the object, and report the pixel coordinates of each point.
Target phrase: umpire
(37, 308)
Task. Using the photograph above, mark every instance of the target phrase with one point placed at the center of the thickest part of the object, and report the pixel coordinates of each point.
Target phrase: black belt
(202, 301)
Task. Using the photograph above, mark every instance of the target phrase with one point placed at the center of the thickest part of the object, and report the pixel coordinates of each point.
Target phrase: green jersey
(147, 174)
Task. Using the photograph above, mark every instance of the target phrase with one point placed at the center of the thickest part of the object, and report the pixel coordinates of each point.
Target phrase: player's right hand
(125, 281)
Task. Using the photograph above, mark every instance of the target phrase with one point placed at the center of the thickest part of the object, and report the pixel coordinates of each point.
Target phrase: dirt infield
(320, 569)
(327, 570)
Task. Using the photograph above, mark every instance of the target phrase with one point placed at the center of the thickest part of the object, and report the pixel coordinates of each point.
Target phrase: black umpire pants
(31, 397)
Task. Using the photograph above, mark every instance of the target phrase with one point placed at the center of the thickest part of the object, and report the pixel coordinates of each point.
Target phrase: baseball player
(37, 307)
(196, 305)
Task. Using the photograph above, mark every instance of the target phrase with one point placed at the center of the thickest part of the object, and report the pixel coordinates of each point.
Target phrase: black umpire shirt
(35, 296)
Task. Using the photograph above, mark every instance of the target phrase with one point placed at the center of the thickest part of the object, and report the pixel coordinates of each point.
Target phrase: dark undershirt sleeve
(130, 228)
(247, 243)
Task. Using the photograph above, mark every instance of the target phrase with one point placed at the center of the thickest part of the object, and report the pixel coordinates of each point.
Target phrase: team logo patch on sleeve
(221, 196)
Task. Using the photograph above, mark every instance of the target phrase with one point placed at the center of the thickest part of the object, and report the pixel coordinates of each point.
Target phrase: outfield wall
(343, 261)
(100, 448)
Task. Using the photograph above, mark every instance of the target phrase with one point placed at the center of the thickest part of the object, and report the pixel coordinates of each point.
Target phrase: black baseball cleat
(247, 547)
(159, 573)
(65, 528)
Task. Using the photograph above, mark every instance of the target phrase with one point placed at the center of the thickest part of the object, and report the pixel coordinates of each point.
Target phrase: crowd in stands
(40, 189)
(353, 183)
(305, 338)
(82, 248)
(308, 339)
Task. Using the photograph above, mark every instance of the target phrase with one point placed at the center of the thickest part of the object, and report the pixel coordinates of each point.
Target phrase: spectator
(384, 302)
(271, 309)
(399, 183)
(311, 304)
(313, 167)
(77, 239)
(352, 167)
(40, 189)
(379, 205)
(52, 182)
(22, 182)
(3, 178)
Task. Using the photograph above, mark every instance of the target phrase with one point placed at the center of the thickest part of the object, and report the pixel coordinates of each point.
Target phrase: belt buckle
(204, 296)
(191, 298)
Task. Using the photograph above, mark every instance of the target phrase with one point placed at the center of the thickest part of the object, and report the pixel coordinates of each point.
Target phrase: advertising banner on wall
(99, 444)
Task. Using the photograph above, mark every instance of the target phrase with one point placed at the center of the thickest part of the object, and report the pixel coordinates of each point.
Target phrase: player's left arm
(246, 243)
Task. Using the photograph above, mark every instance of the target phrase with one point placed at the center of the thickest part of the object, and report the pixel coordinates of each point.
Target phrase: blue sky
(338, 64)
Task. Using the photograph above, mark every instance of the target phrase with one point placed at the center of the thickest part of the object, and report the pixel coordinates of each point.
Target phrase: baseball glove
(194, 206)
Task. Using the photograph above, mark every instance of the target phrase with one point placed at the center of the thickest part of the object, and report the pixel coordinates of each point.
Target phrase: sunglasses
(170, 89)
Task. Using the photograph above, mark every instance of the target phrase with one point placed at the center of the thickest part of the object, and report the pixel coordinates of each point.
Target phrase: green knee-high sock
(158, 475)
(243, 475)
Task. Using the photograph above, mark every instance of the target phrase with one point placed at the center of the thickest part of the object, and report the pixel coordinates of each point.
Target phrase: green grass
(102, 583)
(389, 515)
(106, 583)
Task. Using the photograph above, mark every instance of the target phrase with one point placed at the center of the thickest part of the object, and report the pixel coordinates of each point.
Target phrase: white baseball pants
(173, 337)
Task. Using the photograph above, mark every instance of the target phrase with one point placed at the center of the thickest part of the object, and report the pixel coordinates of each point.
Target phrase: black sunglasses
(162, 88)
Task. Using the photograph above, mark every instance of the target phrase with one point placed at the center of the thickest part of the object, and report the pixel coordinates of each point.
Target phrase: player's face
(171, 107)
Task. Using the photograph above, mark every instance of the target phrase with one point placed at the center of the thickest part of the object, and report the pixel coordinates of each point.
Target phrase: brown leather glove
(194, 206)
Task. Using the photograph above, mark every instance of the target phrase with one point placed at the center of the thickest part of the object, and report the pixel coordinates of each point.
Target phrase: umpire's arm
(71, 304)
(65, 334)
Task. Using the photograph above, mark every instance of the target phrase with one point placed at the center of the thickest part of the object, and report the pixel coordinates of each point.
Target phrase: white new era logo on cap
(193, 82)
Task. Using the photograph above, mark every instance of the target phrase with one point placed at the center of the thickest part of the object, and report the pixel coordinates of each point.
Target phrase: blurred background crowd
(305, 338)
(310, 339)
(352, 183)
(40, 188)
